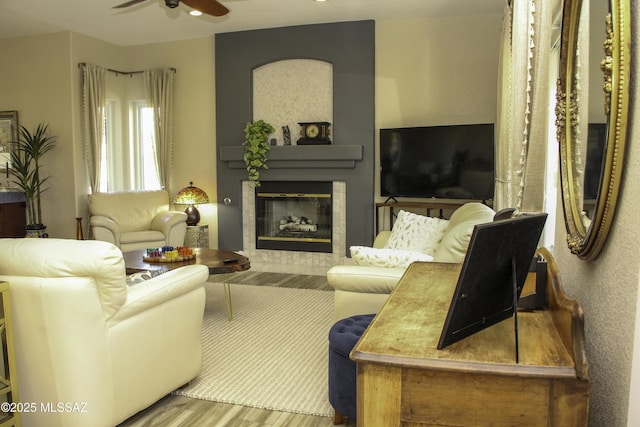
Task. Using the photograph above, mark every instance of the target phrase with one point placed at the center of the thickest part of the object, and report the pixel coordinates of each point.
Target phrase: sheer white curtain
(523, 100)
(581, 129)
(93, 111)
(503, 196)
(159, 89)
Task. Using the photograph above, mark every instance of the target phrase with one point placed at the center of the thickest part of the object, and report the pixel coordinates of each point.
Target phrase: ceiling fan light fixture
(195, 13)
(210, 7)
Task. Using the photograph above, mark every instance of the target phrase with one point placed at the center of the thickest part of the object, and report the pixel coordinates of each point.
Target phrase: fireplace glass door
(294, 216)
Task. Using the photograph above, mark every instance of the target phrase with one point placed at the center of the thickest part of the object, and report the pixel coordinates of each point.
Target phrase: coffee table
(219, 261)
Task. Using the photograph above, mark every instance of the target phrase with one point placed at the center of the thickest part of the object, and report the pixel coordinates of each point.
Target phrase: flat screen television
(450, 162)
(596, 141)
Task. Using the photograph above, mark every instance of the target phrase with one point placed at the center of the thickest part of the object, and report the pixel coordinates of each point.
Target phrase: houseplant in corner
(26, 161)
(256, 147)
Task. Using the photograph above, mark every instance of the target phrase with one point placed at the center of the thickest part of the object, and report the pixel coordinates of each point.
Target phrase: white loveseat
(363, 289)
(136, 219)
(82, 336)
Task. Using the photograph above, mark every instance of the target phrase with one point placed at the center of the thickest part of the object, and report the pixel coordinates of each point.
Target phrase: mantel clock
(314, 133)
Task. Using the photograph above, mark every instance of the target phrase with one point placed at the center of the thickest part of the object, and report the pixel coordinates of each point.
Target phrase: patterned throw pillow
(389, 258)
(141, 276)
(417, 233)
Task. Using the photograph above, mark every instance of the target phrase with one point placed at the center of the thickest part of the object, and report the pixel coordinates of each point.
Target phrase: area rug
(274, 353)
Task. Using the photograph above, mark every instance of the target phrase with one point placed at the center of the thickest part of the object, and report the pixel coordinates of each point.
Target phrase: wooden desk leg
(227, 300)
(379, 392)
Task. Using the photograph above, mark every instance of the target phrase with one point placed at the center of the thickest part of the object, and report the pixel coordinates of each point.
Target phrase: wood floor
(179, 411)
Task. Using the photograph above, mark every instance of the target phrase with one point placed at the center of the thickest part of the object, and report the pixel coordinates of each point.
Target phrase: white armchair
(82, 335)
(363, 289)
(136, 219)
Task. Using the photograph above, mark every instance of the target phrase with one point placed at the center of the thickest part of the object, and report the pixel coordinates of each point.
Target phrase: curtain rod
(127, 73)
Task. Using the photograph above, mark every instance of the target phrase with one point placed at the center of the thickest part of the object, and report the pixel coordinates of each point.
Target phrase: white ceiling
(151, 21)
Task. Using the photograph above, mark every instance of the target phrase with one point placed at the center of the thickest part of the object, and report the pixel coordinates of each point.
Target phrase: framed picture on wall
(8, 137)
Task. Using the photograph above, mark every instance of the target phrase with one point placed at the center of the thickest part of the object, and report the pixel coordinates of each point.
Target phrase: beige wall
(634, 393)
(607, 289)
(428, 72)
(437, 71)
(35, 81)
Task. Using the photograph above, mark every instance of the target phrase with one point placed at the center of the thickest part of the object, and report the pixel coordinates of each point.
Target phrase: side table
(197, 236)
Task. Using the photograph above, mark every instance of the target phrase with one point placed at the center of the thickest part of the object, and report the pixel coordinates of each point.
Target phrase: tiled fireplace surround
(295, 261)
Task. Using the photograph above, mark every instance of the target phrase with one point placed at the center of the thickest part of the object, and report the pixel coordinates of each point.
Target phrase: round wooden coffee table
(219, 261)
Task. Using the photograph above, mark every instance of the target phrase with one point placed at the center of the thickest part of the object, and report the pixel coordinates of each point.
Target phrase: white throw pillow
(418, 233)
(389, 258)
(455, 242)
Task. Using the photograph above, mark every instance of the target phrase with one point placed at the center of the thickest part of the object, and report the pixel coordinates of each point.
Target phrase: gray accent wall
(350, 47)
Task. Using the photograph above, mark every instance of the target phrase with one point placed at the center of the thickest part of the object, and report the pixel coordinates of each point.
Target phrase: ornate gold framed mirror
(589, 219)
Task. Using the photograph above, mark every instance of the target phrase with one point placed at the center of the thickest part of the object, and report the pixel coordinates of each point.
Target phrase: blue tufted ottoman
(343, 336)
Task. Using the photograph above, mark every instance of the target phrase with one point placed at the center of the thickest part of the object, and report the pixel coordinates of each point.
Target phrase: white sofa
(82, 336)
(136, 219)
(363, 289)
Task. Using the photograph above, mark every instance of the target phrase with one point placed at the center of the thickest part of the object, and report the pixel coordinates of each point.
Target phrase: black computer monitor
(496, 263)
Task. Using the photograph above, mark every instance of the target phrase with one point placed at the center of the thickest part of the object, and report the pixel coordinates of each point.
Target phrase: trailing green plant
(256, 143)
(26, 164)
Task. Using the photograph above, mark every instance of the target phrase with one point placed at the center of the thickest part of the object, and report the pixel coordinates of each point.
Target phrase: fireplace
(294, 216)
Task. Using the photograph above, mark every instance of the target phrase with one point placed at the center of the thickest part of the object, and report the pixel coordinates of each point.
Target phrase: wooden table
(403, 380)
(214, 259)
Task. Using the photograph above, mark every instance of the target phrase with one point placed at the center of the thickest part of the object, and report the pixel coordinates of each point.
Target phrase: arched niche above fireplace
(290, 91)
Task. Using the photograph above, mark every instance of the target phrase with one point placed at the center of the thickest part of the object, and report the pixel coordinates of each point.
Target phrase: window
(553, 162)
(128, 150)
(144, 171)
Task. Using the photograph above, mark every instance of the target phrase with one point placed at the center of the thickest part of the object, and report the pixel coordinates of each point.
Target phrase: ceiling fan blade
(127, 4)
(210, 7)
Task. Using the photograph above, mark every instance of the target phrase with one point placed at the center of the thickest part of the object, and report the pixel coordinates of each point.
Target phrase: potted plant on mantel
(25, 159)
(256, 147)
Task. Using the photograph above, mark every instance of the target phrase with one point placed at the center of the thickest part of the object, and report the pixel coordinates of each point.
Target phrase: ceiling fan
(210, 7)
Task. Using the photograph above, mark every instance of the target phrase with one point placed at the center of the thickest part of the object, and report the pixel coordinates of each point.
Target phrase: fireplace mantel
(299, 156)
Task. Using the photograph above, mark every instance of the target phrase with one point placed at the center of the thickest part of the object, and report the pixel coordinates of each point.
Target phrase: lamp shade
(191, 196)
